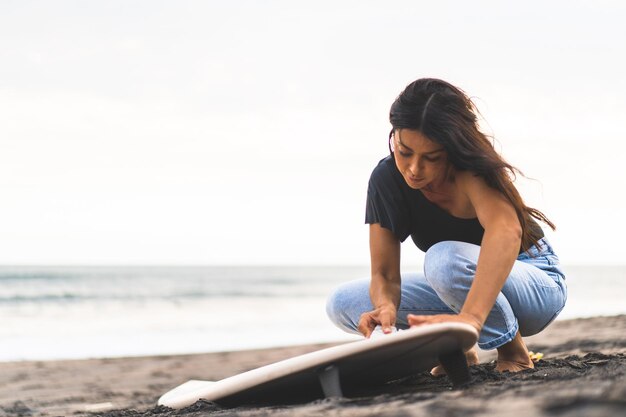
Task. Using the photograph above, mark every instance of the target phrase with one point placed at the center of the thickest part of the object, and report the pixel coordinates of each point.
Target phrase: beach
(582, 373)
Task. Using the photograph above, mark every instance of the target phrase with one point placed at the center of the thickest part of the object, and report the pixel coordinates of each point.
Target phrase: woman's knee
(449, 268)
(346, 304)
(448, 258)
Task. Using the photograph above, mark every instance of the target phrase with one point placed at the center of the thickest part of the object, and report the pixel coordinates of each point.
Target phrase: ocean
(89, 312)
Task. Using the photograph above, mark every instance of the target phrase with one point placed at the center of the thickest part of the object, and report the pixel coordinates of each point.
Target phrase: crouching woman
(487, 261)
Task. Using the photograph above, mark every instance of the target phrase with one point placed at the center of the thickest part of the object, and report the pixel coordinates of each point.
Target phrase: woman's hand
(385, 316)
(415, 320)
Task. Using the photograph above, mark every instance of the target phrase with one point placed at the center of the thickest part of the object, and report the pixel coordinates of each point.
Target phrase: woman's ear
(449, 169)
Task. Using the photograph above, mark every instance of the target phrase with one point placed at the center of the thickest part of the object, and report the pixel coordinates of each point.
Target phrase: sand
(582, 374)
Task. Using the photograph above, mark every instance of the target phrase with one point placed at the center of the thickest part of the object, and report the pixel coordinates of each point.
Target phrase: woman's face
(422, 162)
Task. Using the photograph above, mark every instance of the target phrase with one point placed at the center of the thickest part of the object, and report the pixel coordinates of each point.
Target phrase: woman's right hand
(385, 284)
(383, 316)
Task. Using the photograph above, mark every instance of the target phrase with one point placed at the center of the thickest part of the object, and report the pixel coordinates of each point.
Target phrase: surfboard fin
(329, 380)
(455, 364)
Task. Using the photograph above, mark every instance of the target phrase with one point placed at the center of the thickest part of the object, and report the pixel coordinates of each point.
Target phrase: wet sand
(583, 373)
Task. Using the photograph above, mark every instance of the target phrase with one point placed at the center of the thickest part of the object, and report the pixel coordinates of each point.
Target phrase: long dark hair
(446, 115)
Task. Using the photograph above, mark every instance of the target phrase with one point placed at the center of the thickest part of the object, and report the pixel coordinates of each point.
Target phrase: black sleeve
(386, 204)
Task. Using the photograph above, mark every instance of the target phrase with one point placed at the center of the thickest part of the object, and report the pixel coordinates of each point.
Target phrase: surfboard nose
(185, 394)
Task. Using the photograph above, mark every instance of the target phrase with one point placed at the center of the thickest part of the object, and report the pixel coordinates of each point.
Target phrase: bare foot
(510, 366)
(472, 359)
(514, 356)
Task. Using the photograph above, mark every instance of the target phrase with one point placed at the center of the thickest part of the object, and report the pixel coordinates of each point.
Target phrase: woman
(487, 261)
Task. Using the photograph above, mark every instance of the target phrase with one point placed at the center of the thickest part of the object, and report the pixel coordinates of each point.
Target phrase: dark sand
(582, 374)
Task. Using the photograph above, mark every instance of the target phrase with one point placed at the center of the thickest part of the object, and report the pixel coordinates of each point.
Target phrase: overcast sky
(244, 132)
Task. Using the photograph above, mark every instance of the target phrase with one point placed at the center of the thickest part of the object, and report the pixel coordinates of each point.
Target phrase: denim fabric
(531, 298)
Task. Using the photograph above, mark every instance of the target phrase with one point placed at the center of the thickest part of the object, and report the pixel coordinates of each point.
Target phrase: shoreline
(584, 364)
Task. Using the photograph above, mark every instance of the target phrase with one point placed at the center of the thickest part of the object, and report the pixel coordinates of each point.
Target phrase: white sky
(244, 132)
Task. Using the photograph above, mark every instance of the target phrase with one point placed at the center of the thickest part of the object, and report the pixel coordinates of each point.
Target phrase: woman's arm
(385, 284)
(499, 250)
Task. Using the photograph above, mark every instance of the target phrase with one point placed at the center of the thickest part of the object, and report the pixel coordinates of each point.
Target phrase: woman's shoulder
(385, 172)
(465, 181)
(386, 163)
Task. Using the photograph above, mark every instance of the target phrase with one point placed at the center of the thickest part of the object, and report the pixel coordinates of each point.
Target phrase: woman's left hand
(415, 320)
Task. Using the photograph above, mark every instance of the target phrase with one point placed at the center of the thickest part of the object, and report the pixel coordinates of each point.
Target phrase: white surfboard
(339, 369)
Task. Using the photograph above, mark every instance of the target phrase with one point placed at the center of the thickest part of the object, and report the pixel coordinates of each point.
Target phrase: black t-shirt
(405, 211)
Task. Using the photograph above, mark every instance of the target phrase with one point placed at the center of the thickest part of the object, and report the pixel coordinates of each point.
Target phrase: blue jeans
(531, 298)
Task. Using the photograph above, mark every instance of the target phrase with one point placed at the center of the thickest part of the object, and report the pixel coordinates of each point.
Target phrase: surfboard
(338, 370)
